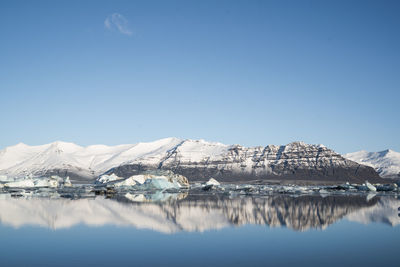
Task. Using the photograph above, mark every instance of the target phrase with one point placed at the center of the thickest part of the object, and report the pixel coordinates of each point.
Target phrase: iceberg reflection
(175, 212)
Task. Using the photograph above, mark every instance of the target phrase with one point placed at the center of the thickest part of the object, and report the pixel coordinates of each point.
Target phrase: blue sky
(245, 72)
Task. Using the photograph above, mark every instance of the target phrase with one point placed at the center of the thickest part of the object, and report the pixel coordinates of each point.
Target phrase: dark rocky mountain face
(294, 162)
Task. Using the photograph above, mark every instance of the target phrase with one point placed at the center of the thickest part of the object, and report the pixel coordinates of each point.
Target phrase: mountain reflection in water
(186, 212)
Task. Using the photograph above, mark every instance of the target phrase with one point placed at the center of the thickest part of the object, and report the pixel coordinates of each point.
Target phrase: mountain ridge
(385, 162)
(196, 159)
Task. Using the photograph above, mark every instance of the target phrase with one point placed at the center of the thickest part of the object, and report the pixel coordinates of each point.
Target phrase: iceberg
(107, 178)
(160, 184)
(212, 181)
(45, 182)
(67, 182)
(4, 178)
(131, 181)
(370, 186)
(154, 180)
(31, 182)
(21, 183)
(210, 184)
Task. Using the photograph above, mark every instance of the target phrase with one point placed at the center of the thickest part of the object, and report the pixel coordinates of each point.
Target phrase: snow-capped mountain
(196, 159)
(386, 163)
(199, 160)
(76, 161)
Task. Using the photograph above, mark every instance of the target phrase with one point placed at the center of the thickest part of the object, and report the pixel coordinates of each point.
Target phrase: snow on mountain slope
(21, 159)
(195, 159)
(386, 163)
(19, 153)
(199, 160)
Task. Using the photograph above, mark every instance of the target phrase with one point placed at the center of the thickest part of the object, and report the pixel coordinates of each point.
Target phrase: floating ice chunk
(301, 190)
(370, 186)
(210, 184)
(139, 179)
(160, 184)
(21, 183)
(155, 180)
(62, 181)
(246, 189)
(67, 182)
(124, 182)
(212, 181)
(103, 179)
(4, 178)
(45, 182)
(133, 180)
(196, 186)
(176, 178)
(366, 187)
(30, 182)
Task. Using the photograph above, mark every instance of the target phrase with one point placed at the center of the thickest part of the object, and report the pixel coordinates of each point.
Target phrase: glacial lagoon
(79, 226)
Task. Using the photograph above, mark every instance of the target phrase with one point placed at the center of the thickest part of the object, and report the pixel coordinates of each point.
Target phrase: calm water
(201, 230)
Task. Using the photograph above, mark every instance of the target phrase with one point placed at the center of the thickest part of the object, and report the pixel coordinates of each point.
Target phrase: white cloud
(117, 22)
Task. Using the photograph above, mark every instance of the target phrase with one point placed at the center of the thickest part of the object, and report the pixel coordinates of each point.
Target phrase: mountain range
(386, 163)
(198, 160)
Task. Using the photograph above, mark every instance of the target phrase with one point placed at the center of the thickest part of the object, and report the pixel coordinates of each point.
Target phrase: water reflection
(170, 213)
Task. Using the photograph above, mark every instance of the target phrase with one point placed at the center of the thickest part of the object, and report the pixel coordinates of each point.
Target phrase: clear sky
(237, 72)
